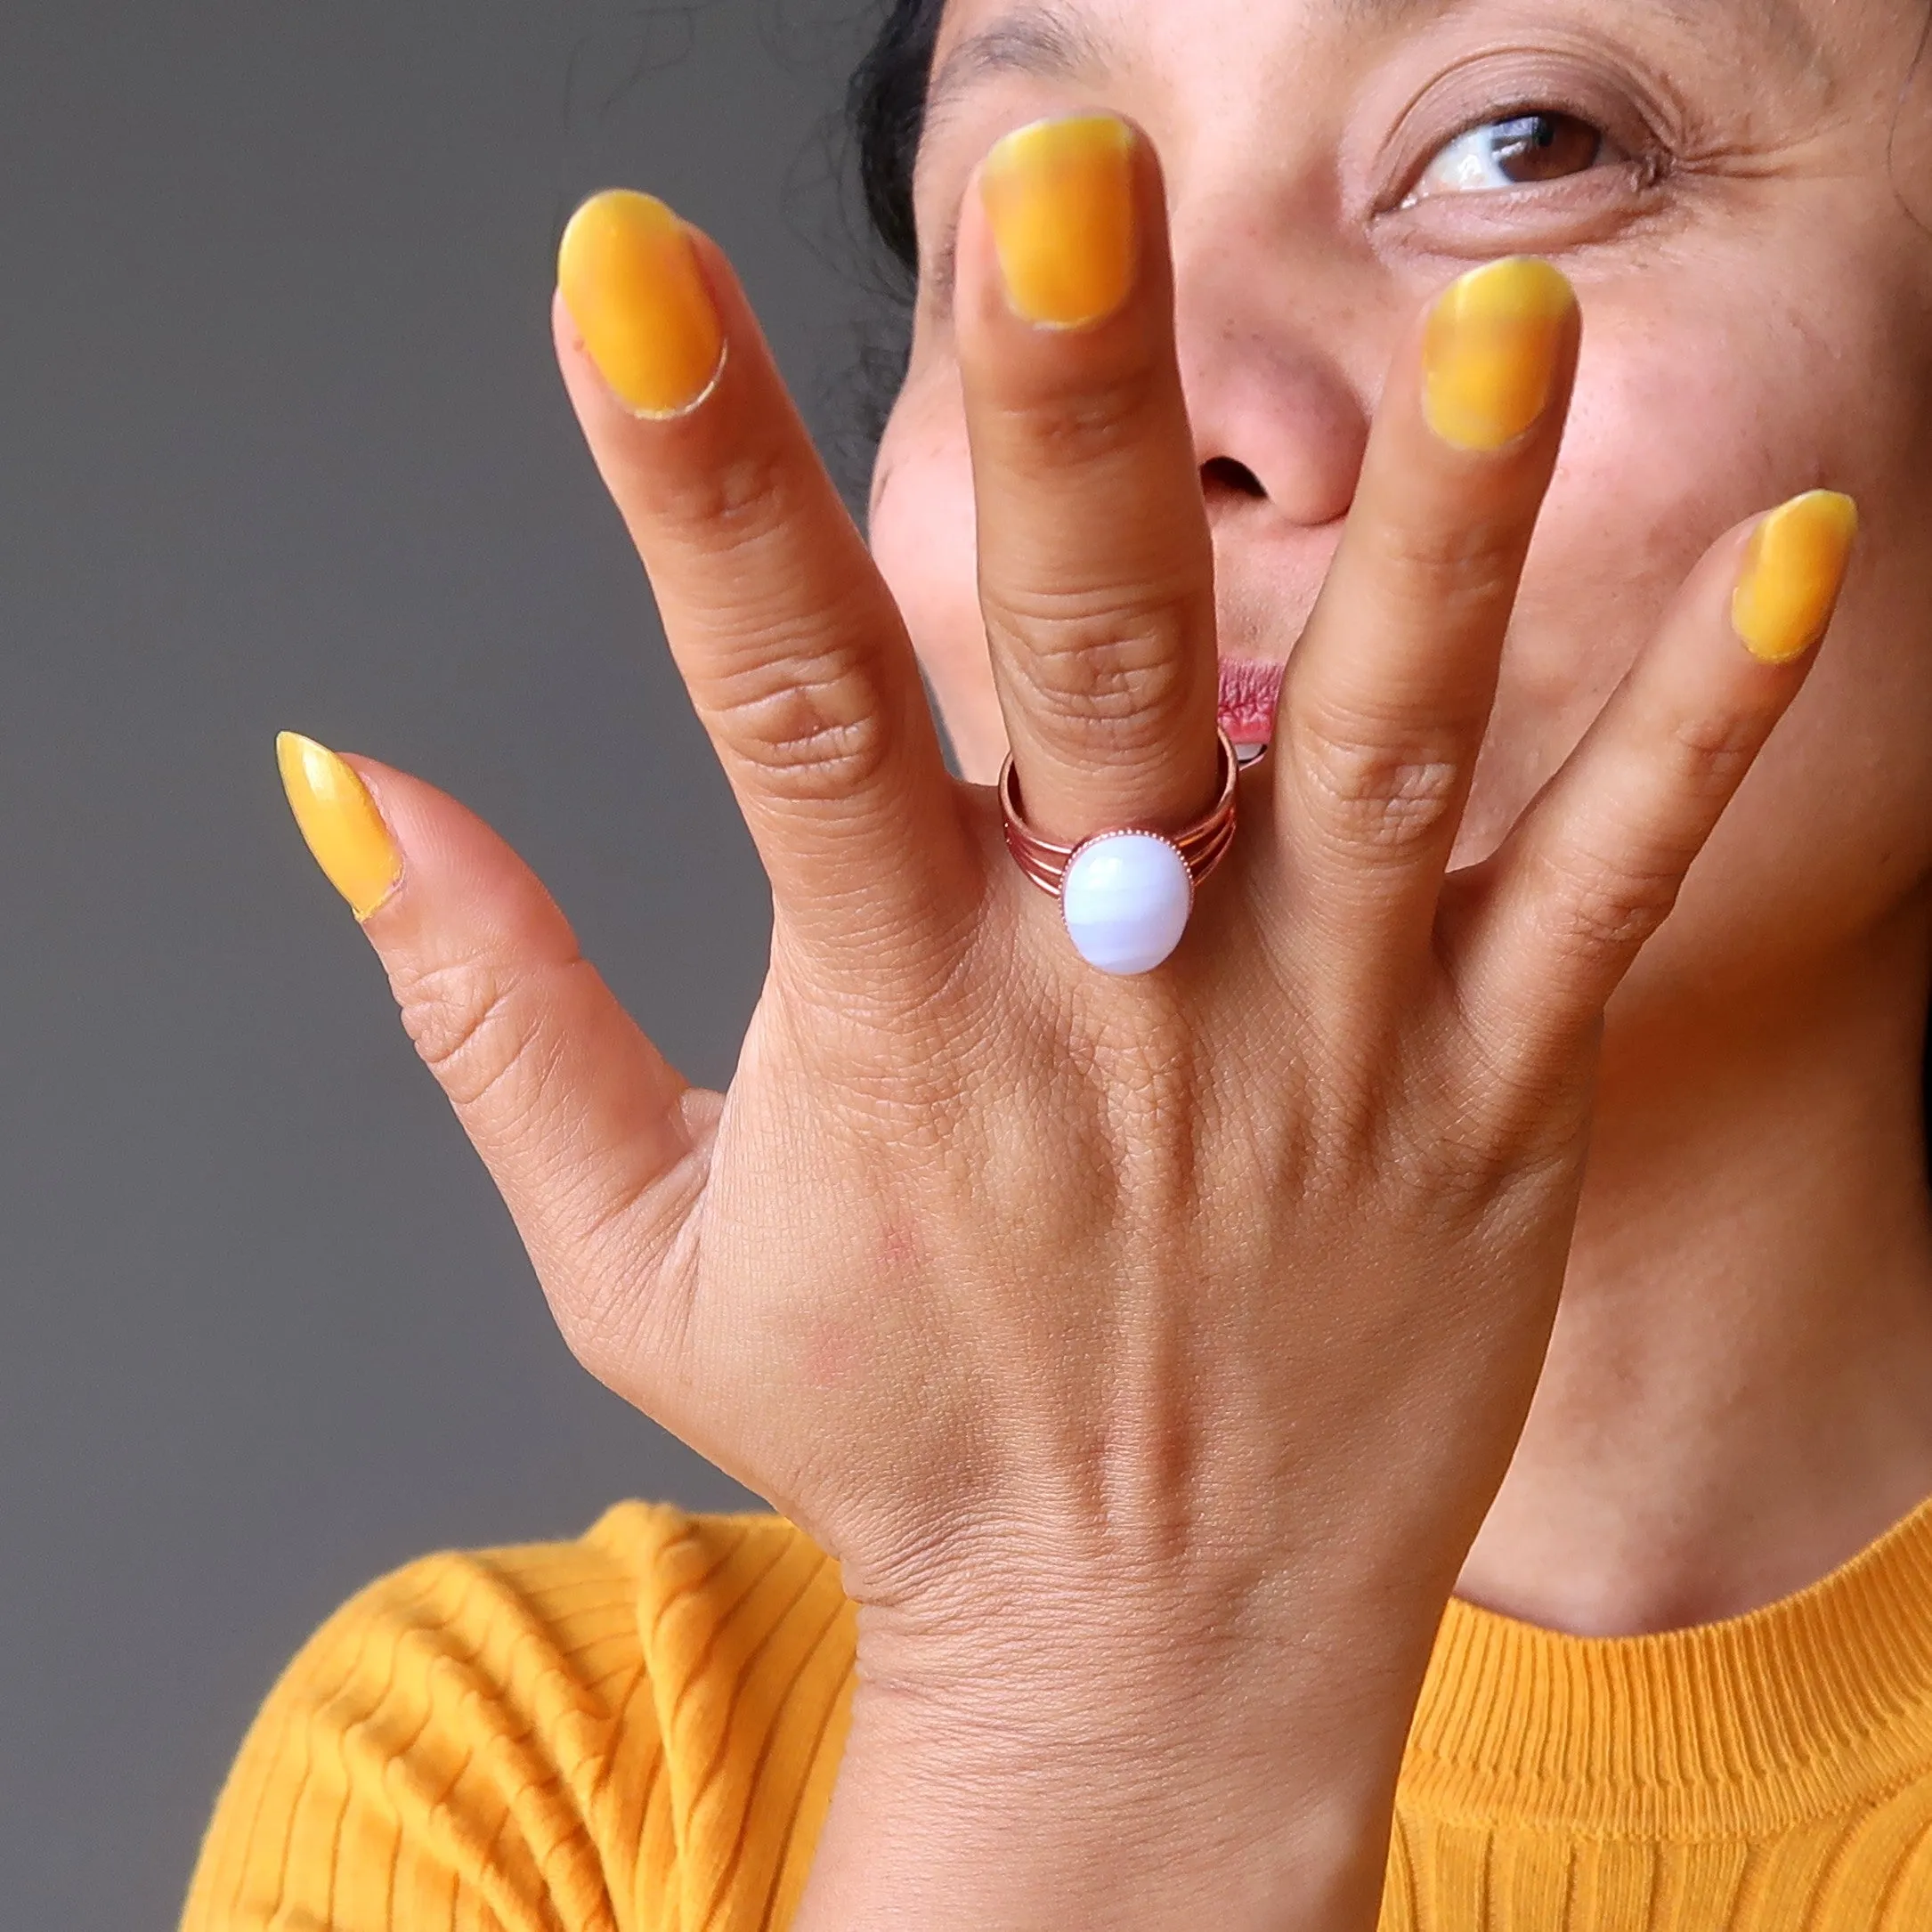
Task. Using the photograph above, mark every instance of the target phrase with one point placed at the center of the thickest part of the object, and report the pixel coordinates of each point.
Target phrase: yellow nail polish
(1058, 196)
(1791, 574)
(631, 284)
(339, 820)
(1489, 350)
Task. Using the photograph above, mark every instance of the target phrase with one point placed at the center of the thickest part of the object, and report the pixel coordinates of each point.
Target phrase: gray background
(281, 443)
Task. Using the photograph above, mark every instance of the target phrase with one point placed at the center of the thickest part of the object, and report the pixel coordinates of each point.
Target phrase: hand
(1146, 1350)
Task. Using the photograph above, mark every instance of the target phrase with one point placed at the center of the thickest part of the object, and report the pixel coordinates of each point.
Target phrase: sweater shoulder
(639, 1728)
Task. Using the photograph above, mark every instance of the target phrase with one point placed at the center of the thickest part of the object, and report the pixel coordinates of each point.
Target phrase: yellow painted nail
(1791, 574)
(1058, 196)
(630, 281)
(339, 820)
(1489, 350)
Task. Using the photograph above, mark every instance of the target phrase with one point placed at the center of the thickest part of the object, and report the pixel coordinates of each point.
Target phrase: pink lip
(1250, 688)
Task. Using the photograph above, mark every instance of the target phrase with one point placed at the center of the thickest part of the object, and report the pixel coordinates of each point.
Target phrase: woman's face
(1736, 188)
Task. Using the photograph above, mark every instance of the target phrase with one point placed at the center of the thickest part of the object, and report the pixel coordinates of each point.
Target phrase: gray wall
(281, 443)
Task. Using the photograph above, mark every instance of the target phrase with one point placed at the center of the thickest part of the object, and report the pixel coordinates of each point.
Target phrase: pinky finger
(1592, 868)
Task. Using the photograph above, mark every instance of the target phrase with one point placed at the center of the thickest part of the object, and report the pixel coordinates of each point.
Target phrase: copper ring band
(1202, 846)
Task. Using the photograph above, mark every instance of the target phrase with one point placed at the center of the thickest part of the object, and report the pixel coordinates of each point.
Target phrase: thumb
(600, 1146)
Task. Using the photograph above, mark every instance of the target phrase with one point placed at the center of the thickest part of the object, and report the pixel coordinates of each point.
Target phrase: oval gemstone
(1126, 898)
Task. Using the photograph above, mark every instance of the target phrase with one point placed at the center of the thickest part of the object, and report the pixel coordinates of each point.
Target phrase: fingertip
(339, 822)
(1058, 196)
(1492, 351)
(1793, 569)
(630, 279)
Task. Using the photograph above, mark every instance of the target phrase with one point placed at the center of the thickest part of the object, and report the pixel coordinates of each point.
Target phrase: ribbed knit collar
(1740, 1727)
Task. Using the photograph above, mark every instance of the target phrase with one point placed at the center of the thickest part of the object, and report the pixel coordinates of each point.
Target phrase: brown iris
(1528, 148)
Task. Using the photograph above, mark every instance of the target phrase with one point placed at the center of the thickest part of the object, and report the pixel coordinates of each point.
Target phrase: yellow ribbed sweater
(638, 1733)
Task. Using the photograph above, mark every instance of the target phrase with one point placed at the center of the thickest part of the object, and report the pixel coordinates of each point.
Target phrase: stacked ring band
(1126, 895)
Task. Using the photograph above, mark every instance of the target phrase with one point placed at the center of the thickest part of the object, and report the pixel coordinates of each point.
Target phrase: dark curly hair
(885, 112)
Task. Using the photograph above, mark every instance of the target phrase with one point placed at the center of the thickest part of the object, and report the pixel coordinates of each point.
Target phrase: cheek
(923, 537)
(1684, 428)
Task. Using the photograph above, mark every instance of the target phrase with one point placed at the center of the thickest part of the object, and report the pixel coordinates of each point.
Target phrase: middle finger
(1096, 570)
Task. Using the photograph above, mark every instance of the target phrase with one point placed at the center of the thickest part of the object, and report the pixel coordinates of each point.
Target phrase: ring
(1126, 895)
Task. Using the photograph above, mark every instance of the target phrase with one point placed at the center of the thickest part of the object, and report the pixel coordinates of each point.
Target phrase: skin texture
(1152, 1353)
(1739, 1395)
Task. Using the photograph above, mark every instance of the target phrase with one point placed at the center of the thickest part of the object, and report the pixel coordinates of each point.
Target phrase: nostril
(1222, 474)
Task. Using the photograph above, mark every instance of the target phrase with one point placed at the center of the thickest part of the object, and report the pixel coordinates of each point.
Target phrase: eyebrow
(1048, 43)
(1052, 42)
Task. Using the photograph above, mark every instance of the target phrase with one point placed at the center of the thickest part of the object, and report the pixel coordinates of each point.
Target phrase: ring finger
(1389, 692)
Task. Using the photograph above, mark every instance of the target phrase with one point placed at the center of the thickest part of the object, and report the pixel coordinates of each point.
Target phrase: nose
(1279, 426)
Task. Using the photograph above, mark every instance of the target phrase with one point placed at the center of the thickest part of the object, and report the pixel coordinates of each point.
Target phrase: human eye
(1519, 149)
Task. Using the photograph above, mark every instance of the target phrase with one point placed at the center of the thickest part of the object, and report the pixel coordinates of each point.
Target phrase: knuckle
(1598, 907)
(722, 505)
(1705, 756)
(1427, 561)
(1519, 1105)
(1107, 659)
(1101, 421)
(472, 1027)
(1381, 790)
(805, 717)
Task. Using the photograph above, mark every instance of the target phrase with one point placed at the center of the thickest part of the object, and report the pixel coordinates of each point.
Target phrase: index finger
(789, 642)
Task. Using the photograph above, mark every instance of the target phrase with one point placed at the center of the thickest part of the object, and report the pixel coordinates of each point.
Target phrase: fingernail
(339, 820)
(630, 281)
(1791, 574)
(1058, 196)
(1489, 350)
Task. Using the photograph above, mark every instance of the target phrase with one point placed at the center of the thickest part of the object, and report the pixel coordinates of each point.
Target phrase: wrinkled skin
(1156, 1354)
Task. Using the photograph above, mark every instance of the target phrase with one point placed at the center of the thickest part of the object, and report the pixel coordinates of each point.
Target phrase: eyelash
(1525, 129)
(1632, 151)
